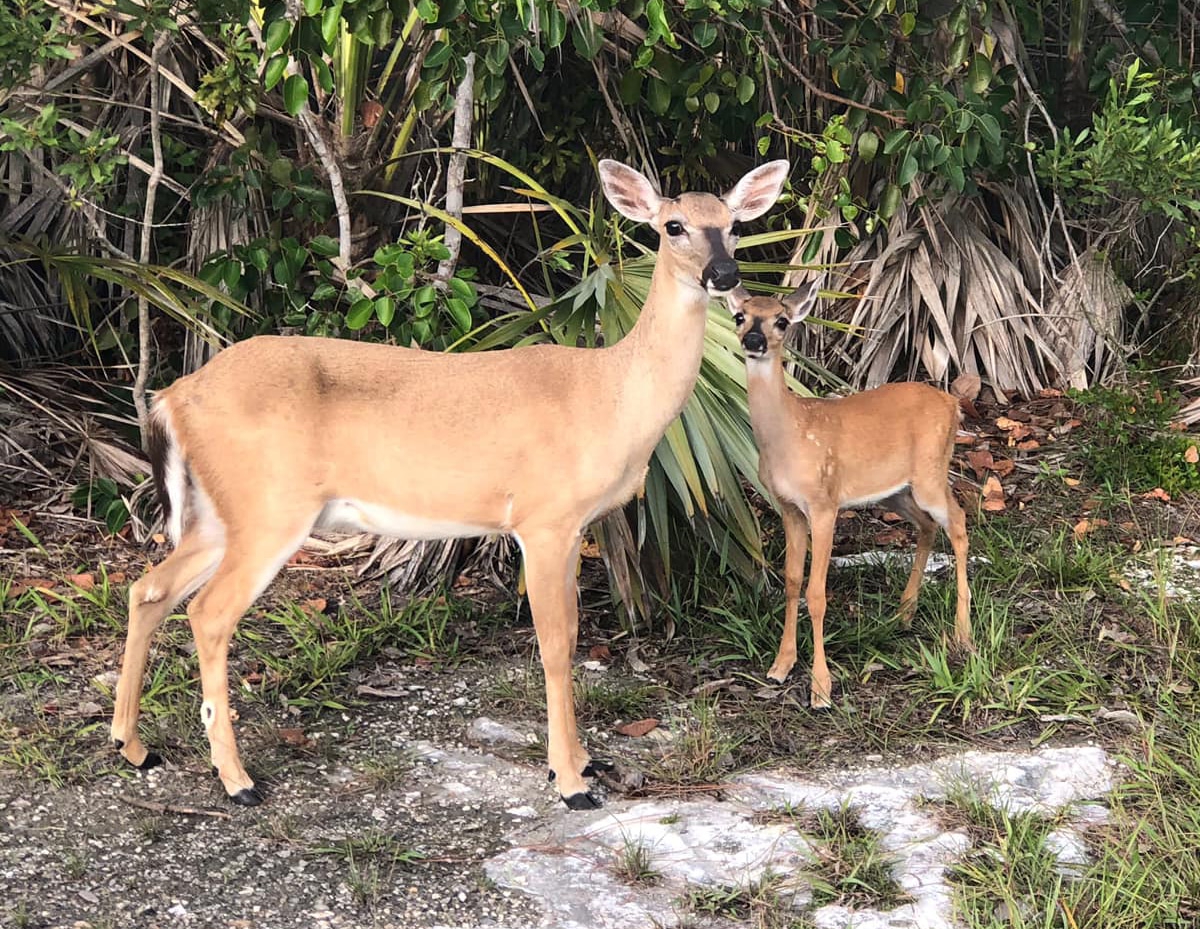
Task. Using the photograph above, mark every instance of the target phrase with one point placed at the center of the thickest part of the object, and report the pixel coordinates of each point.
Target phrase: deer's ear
(800, 302)
(757, 192)
(735, 298)
(629, 192)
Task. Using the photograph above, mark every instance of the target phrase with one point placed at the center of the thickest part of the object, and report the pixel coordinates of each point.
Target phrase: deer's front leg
(822, 547)
(550, 581)
(795, 528)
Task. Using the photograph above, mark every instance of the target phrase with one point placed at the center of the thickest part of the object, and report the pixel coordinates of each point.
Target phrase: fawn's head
(762, 322)
(698, 232)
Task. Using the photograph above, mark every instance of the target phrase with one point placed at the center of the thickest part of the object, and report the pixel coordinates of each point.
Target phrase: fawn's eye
(782, 323)
(736, 229)
(739, 318)
(674, 228)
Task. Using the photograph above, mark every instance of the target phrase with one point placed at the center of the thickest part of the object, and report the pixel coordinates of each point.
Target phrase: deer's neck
(771, 411)
(662, 352)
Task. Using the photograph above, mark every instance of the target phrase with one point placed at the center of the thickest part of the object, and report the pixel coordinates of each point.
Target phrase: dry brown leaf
(1157, 494)
(1003, 422)
(1003, 466)
(371, 111)
(980, 462)
(1028, 445)
(316, 606)
(966, 386)
(1191, 456)
(1082, 528)
(599, 653)
(1071, 481)
(293, 736)
(891, 517)
(636, 730)
(993, 495)
(1116, 634)
(82, 581)
(159, 538)
(117, 577)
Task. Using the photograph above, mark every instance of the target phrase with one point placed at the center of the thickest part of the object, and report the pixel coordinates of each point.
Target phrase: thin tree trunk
(464, 102)
(156, 175)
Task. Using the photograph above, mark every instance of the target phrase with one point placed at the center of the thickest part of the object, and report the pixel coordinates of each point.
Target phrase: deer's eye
(739, 318)
(674, 228)
(736, 229)
(782, 323)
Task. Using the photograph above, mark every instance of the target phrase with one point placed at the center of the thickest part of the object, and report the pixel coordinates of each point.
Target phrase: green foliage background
(1054, 128)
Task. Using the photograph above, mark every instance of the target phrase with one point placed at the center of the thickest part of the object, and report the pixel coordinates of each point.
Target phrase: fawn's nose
(754, 342)
(722, 275)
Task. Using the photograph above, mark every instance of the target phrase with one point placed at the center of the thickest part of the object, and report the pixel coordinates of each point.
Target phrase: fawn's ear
(629, 192)
(735, 298)
(757, 192)
(800, 302)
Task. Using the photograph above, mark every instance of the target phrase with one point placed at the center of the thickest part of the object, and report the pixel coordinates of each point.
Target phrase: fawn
(891, 445)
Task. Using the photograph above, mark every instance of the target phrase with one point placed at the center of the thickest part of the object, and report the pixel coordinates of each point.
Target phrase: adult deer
(278, 435)
(891, 445)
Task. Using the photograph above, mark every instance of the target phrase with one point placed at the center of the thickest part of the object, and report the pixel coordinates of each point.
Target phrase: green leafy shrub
(1131, 442)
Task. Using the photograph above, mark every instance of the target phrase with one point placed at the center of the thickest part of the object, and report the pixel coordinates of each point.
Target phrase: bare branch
(156, 176)
(464, 102)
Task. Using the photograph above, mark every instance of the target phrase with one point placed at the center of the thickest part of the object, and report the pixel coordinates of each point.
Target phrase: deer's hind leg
(253, 557)
(151, 599)
(936, 499)
(904, 504)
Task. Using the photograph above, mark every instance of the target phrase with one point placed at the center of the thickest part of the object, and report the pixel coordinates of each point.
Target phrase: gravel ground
(329, 847)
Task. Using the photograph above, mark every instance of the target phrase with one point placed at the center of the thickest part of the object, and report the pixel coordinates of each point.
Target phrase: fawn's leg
(795, 527)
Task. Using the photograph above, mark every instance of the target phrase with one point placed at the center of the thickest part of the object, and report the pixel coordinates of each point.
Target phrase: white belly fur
(355, 515)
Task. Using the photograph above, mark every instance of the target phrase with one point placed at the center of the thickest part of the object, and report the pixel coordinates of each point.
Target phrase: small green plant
(853, 868)
(386, 772)
(102, 498)
(634, 864)
(1131, 443)
(373, 843)
(702, 751)
(761, 903)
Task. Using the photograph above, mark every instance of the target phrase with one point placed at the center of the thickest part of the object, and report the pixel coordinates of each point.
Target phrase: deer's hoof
(247, 796)
(582, 801)
(152, 760)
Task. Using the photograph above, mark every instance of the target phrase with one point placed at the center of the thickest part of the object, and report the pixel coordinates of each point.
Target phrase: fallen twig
(155, 807)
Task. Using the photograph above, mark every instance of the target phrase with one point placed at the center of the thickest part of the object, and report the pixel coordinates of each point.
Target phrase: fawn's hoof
(582, 801)
(247, 796)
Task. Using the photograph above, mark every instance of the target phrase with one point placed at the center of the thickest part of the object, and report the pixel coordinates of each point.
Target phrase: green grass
(634, 864)
(305, 656)
(853, 869)
(763, 904)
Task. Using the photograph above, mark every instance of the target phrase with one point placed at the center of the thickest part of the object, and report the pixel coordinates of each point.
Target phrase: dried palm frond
(58, 427)
(949, 289)
(1083, 319)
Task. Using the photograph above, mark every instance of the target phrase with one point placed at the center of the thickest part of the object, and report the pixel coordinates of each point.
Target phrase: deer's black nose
(754, 342)
(722, 275)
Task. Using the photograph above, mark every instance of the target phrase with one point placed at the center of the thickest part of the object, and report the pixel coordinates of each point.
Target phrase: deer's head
(698, 232)
(762, 322)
